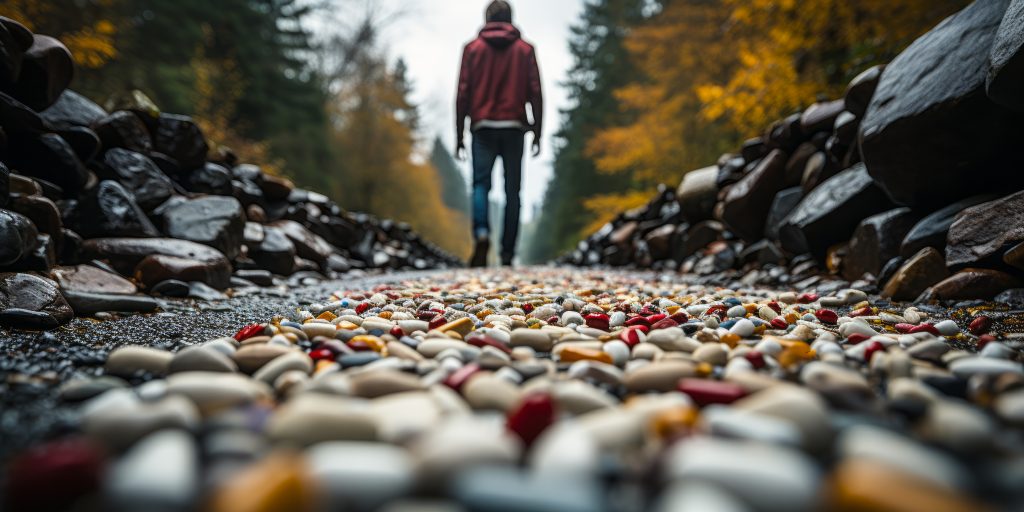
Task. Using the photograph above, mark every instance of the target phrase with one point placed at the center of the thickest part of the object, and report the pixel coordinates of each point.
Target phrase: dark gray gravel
(33, 365)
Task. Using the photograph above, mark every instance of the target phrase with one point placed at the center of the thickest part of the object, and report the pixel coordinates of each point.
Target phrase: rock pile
(91, 196)
(901, 185)
(554, 390)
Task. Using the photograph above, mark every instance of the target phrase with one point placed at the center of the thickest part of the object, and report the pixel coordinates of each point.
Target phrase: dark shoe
(483, 246)
(506, 262)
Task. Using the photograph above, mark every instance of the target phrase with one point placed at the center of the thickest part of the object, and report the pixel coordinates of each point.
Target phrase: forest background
(657, 88)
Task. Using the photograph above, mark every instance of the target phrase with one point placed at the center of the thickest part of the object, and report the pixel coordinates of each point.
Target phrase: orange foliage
(92, 43)
(789, 51)
(714, 72)
(681, 49)
(606, 207)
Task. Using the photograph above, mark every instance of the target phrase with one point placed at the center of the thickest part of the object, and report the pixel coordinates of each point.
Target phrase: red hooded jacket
(499, 77)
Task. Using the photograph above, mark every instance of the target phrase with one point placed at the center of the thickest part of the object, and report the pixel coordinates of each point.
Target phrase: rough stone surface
(747, 202)
(123, 129)
(831, 212)
(932, 230)
(274, 252)
(158, 259)
(931, 135)
(17, 237)
(136, 172)
(216, 221)
(784, 203)
(90, 279)
(111, 210)
(30, 301)
(307, 244)
(876, 241)
(983, 233)
(862, 89)
(926, 268)
(971, 284)
(46, 71)
(48, 157)
(698, 193)
(179, 138)
(72, 109)
(1006, 60)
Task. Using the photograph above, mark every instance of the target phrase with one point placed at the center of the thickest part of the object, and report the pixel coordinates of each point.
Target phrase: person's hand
(536, 146)
(460, 151)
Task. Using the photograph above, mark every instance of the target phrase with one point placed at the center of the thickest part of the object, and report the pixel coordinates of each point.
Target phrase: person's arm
(462, 101)
(536, 99)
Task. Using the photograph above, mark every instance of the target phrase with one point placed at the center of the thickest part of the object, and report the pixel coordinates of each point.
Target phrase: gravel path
(525, 389)
(33, 365)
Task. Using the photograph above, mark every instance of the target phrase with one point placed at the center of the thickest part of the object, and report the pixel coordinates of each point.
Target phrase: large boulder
(46, 71)
(30, 301)
(924, 269)
(273, 251)
(307, 244)
(50, 158)
(83, 141)
(181, 139)
(72, 110)
(932, 230)
(862, 89)
(216, 221)
(15, 40)
(972, 284)
(90, 279)
(111, 210)
(1006, 60)
(820, 117)
(18, 237)
(136, 172)
(152, 260)
(123, 129)
(931, 135)
(983, 233)
(210, 179)
(876, 241)
(698, 193)
(17, 119)
(831, 212)
(747, 202)
(44, 215)
(784, 203)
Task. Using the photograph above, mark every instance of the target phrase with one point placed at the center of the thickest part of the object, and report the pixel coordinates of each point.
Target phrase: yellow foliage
(92, 42)
(677, 52)
(604, 208)
(371, 130)
(713, 73)
(790, 51)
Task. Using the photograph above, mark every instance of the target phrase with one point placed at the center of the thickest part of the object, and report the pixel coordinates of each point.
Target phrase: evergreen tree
(601, 66)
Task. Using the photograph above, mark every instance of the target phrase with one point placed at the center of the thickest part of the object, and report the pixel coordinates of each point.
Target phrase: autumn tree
(88, 28)
(789, 51)
(714, 72)
(374, 126)
(601, 65)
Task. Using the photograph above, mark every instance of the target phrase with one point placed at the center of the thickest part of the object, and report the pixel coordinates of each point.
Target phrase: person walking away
(499, 77)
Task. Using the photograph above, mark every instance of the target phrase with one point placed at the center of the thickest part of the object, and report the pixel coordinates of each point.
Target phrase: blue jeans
(488, 145)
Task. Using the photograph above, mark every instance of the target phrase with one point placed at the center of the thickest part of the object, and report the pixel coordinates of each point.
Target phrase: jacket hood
(499, 35)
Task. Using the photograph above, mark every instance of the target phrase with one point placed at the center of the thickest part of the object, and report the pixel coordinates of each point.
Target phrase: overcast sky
(430, 34)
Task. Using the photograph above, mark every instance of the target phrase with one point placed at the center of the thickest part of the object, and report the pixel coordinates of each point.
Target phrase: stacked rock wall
(918, 166)
(136, 192)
